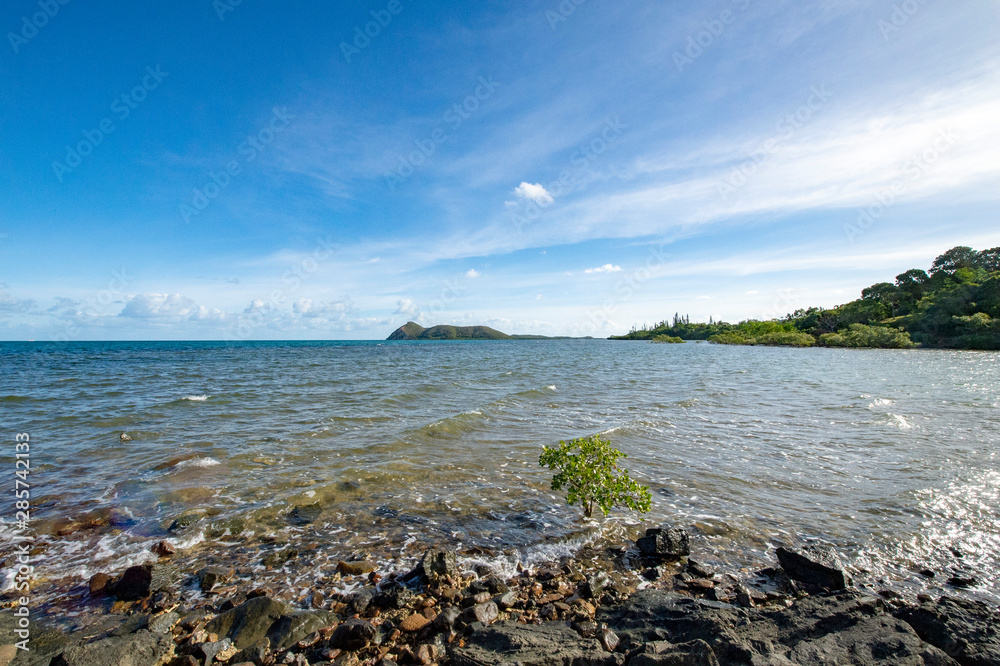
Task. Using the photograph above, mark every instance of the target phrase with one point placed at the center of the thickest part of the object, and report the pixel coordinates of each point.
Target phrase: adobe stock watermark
(30, 25)
(901, 15)
(625, 289)
(786, 129)
(121, 108)
(291, 281)
(454, 118)
(223, 7)
(703, 40)
(527, 211)
(363, 36)
(562, 12)
(247, 152)
(914, 170)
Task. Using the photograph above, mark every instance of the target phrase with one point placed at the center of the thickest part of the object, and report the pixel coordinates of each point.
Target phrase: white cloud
(405, 306)
(606, 268)
(752, 292)
(472, 274)
(9, 303)
(534, 192)
(145, 306)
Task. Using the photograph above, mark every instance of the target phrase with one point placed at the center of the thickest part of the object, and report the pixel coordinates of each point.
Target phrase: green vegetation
(413, 331)
(668, 339)
(954, 305)
(590, 476)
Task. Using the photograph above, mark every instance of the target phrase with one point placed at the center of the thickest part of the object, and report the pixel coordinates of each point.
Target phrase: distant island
(414, 331)
(955, 305)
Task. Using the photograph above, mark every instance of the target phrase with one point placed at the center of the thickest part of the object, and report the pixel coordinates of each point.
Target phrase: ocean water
(890, 456)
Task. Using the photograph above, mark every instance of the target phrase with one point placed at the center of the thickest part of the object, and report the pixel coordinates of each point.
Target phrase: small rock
(303, 515)
(436, 563)
(594, 586)
(609, 639)
(359, 568)
(483, 613)
(141, 581)
(210, 577)
(505, 600)
(415, 622)
(164, 548)
(99, 584)
(163, 623)
(353, 635)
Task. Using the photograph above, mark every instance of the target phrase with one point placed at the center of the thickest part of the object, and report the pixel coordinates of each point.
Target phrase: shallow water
(889, 455)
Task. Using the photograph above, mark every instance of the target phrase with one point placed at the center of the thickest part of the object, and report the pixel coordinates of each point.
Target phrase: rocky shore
(630, 604)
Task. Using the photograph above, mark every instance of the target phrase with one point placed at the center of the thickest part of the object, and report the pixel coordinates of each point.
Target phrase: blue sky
(265, 170)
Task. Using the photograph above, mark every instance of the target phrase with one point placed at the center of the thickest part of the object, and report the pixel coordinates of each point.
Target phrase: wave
(197, 462)
(196, 398)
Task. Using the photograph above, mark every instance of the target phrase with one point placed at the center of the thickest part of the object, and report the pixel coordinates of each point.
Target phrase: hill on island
(413, 331)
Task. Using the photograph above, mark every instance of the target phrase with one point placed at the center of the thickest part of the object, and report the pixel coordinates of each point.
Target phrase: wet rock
(355, 568)
(436, 563)
(139, 649)
(505, 600)
(447, 617)
(45, 643)
(609, 640)
(664, 543)
(699, 570)
(141, 581)
(99, 584)
(212, 649)
(393, 595)
(303, 515)
(209, 577)
(164, 549)
(492, 585)
(531, 645)
(968, 631)
(963, 581)
(352, 635)
(249, 622)
(290, 629)
(816, 567)
(361, 600)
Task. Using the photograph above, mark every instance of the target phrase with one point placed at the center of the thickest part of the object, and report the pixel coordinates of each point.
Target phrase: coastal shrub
(732, 338)
(588, 468)
(875, 337)
(787, 339)
(669, 339)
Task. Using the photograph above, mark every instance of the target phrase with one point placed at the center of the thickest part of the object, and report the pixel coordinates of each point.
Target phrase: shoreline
(439, 612)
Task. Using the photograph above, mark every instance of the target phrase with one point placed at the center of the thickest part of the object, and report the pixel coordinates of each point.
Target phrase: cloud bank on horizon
(253, 171)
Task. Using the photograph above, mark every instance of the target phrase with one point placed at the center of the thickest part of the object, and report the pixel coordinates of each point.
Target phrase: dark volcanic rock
(664, 543)
(290, 629)
(814, 566)
(209, 577)
(848, 628)
(969, 631)
(139, 649)
(693, 653)
(434, 564)
(249, 622)
(352, 635)
(531, 645)
(393, 595)
(141, 581)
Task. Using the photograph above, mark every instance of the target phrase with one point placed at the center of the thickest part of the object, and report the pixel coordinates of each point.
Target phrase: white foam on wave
(551, 387)
(198, 462)
(880, 402)
(899, 422)
(196, 398)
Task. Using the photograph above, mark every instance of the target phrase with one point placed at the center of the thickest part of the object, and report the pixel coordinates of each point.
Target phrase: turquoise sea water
(891, 456)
